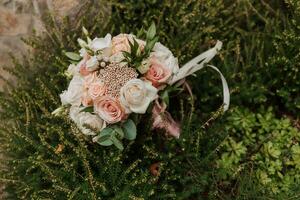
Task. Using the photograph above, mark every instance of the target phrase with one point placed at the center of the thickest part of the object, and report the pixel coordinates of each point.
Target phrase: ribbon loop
(198, 63)
(226, 93)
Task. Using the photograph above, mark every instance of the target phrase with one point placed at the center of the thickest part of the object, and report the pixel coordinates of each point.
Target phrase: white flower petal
(73, 94)
(101, 43)
(83, 119)
(141, 108)
(136, 95)
(92, 64)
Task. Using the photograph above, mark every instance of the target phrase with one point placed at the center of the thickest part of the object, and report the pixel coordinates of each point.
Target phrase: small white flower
(118, 58)
(82, 43)
(144, 67)
(73, 94)
(136, 95)
(82, 52)
(92, 64)
(101, 43)
(84, 120)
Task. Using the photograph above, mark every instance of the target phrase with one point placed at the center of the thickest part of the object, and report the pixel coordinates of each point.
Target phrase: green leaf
(140, 33)
(119, 131)
(150, 44)
(89, 109)
(73, 56)
(165, 97)
(129, 129)
(131, 45)
(126, 54)
(85, 32)
(117, 143)
(151, 32)
(105, 137)
(135, 46)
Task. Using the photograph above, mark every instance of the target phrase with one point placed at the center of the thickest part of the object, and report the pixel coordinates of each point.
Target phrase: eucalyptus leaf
(106, 131)
(105, 137)
(73, 56)
(119, 132)
(129, 129)
(117, 143)
(107, 142)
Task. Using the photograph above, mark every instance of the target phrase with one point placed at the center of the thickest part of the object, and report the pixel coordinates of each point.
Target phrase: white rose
(84, 120)
(73, 94)
(73, 70)
(92, 64)
(101, 44)
(165, 56)
(136, 95)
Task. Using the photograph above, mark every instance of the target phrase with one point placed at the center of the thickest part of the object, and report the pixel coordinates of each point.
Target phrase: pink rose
(120, 43)
(109, 109)
(89, 79)
(157, 73)
(82, 65)
(86, 100)
(97, 89)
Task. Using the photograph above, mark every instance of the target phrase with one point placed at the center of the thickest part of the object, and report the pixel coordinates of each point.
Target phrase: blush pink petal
(157, 73)
(163, 120)
(82, 66)
(109, 109)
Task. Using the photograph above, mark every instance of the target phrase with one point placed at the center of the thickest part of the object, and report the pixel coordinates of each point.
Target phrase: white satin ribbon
(226, 93)
(198, 63)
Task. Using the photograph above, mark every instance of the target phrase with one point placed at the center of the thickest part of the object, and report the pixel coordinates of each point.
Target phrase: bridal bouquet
(115, 78)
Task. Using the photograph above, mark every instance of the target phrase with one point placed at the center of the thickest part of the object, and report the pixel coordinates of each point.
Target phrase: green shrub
(266, 145)
(48, 158)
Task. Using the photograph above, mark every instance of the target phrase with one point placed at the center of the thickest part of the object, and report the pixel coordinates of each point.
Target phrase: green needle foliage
(47, 157)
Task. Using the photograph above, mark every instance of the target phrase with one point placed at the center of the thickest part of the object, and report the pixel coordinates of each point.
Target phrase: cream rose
(89, 79)
(158, 74)
(83, 119)
(97, 89)
(136, 95)
(109, 109)
(120, 43)
(86, 100)
(73, 94)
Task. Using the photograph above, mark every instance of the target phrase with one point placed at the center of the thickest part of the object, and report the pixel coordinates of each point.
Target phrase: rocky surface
(18, 18)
